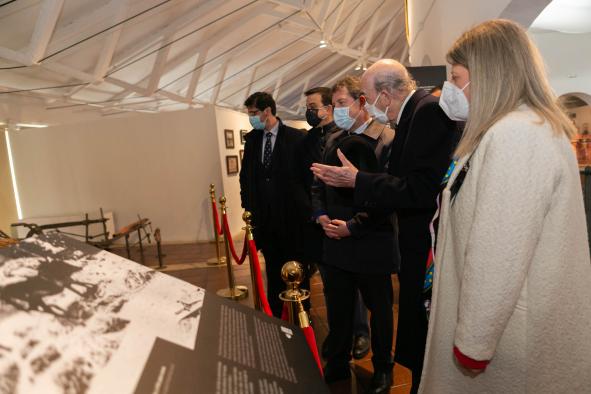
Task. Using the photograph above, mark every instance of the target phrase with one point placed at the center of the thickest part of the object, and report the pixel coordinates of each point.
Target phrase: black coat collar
(325, 130)
(410, 106)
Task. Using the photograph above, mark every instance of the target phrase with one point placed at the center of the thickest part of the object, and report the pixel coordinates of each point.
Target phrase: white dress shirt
(404, 105)
(361, 128)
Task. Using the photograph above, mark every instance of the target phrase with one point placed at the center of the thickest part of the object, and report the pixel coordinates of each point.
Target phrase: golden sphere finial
(292, 273)
(223, 200)
(247, 217)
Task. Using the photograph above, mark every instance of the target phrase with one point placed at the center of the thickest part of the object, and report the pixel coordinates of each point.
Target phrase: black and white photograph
(72, 316)
(229, 138)
(232, 166)
(243, 136)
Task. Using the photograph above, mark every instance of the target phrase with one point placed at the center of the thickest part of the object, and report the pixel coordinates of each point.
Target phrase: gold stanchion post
(233, 292)
(247, 217)
(219, 259)
(293, 274)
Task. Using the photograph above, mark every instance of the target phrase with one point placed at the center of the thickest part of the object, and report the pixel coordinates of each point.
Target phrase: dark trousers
(360, 319)
(275, 257)
(340, 288)
(411, 334)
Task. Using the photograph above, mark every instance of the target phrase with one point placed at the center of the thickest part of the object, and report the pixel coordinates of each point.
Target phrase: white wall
(568, 60)
(435, 25)
(298, 124)
(156, 165)
(232, 120)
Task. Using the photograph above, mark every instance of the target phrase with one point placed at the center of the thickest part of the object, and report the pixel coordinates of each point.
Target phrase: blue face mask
(342, 118)
(255, 122)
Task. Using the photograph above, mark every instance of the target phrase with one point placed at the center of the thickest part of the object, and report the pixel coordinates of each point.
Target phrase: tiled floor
(189, 262)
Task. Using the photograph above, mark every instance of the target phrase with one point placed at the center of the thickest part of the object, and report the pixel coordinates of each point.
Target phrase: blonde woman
(511, 308)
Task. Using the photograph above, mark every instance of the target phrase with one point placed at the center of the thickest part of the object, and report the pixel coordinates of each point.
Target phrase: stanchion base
(238, 293)
(214, 261)
(161, 268)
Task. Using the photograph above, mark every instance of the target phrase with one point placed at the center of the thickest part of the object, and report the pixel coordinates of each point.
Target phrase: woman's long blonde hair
(506, 70)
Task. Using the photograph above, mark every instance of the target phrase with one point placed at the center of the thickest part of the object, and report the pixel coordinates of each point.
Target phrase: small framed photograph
(229, 138)
(232, 165)
(243, 136)
(241, 155)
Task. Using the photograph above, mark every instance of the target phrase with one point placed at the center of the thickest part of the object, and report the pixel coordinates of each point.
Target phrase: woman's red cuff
(468, 362)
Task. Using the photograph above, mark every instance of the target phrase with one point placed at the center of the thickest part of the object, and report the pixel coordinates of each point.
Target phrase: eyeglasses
(317, 109)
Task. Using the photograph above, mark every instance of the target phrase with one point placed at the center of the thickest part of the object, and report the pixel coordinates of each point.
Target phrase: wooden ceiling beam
(110, 44)
(44, 27)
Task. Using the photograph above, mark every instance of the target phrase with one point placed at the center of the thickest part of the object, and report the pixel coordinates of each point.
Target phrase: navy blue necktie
(267, 151)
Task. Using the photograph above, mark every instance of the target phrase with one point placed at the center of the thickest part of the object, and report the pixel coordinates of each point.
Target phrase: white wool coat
(513, 274)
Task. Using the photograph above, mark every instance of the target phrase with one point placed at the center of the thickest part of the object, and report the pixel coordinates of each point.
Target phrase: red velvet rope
(308, 333)
(259, 280)
(239, 260)
(216, 218)
(311, 339)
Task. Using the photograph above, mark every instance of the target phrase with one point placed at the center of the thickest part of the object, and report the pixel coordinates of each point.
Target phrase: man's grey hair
(394, 84)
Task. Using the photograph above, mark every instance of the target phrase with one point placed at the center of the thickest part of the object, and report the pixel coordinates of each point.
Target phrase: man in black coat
(421, 153)
(319, 115)
(268, 189)
(360, 249)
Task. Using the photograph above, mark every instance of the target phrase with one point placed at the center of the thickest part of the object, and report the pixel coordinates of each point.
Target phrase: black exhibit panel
(78, 319)
(428, 77)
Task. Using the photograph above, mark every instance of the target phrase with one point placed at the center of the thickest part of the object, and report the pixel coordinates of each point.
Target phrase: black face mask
(312, 117)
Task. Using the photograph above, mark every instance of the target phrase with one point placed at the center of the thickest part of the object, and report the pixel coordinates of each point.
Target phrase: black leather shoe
(334, 374)
(360, 347)
(380, 383)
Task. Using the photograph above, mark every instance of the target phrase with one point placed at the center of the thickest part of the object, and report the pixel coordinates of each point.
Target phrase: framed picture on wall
(229, 138)
(232, 164)
(241, 154)
(242, 136)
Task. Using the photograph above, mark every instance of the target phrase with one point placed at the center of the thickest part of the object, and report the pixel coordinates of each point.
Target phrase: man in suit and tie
(421, 153)
(267, 188)
(360, 251)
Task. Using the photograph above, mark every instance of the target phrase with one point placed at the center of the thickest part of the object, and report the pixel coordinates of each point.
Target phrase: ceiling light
(323, 44)
(358, 67)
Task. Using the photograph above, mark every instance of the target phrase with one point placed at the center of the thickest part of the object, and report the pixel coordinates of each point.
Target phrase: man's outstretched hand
(337, 176)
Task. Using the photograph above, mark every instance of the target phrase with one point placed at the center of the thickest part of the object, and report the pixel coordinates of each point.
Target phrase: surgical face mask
(376, 113)
(453, 101)
(256, 123)
(342, 118)
(312, 117)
